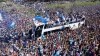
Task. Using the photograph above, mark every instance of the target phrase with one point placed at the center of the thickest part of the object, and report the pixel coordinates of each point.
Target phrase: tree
(72, 0)
(93, 0)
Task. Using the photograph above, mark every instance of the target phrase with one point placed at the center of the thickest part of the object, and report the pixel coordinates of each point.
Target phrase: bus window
(48, 26)
(39, 27)
(38, 31)
(56, 30)
(45, 33)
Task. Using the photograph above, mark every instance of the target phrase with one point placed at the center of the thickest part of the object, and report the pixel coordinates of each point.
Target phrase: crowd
(84, 41)
(15, 20)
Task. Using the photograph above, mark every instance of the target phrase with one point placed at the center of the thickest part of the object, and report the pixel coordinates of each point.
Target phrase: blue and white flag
(62, 17)
(47, 15)
(57, 53)
(58, 35)
(40, 18)
(12, 25)
(43, 37)
(1, 19)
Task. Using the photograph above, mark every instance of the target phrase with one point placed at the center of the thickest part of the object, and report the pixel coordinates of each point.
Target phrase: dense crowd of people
(84, 41)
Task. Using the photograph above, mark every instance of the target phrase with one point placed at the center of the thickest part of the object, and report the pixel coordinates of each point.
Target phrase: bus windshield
(38, 31)
(39, 27)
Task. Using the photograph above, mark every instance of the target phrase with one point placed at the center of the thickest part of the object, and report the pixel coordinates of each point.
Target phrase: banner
(1, 19)
(40, 18)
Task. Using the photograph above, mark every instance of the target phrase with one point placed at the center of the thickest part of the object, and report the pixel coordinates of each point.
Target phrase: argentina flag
(58, 35)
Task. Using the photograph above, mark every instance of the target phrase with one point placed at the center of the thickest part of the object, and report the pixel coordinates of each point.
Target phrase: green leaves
(2, 0)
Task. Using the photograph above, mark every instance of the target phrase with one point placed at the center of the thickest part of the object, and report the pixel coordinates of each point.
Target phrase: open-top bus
(47, 28)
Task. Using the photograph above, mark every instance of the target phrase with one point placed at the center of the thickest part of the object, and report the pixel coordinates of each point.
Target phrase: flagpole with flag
(58, 35)
(43, 36)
